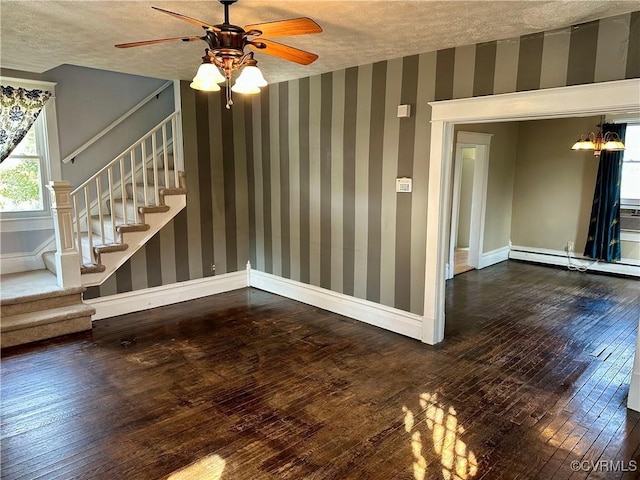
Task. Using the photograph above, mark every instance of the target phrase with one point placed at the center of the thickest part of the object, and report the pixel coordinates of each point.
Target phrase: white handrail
(114, 124)
(140, 140)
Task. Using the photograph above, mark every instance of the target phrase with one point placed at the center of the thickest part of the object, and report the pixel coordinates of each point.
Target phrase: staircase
(99, 225)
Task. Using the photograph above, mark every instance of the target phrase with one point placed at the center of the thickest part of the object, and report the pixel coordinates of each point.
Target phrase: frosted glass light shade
(207, 78)
(249, 81)
(253, 76)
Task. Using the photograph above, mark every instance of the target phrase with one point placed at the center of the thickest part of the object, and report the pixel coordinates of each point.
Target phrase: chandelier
(597, 142)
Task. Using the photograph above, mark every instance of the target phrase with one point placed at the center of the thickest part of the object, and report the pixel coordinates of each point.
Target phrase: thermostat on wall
(404, 185)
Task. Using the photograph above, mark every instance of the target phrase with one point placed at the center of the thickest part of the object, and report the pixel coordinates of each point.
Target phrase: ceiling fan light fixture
(207, 76)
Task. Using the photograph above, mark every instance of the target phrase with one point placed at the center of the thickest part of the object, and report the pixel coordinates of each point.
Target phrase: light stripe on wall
(388, 195)
(226, 175)
(276, 190)
(315, 169)
(204, 184)
(633, 50)
(326, 127)
(506, 72)
(555, 57)
(336, 199)
(285, 195)
(363, 133)
(265, 130)
(611, 31)
(242, 188)
(258, 179)
(139, 269)
(305, 154)
(294, 178)
(349, 179)
(463, 68)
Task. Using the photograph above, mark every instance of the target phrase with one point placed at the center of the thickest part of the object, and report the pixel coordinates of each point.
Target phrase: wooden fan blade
(285, 51)
(293, 26)
(159, 40)
(190, 20)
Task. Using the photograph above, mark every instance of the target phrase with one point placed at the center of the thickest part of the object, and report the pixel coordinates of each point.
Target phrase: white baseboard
(628, 267)
(494, 256)
(153, 297)
(398, 321)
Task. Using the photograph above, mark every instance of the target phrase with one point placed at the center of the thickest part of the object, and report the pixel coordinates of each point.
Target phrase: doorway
(468, 204)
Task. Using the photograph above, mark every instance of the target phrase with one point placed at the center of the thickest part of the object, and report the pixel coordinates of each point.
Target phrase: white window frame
(631, 203)
(50, 166)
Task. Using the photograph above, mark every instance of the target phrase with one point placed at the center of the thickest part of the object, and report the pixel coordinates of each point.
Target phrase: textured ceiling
(36, 36)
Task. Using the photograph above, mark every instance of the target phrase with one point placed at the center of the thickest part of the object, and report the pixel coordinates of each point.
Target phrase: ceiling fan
(226, 44)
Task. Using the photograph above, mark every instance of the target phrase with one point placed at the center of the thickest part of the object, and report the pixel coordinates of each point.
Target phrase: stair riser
(41, 332)
(43, 304)
(151, 194)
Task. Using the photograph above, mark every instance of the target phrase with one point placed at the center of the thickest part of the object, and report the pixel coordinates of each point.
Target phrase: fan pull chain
(229, 99)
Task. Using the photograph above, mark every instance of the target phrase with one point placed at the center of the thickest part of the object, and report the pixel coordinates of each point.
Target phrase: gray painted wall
(321, 154)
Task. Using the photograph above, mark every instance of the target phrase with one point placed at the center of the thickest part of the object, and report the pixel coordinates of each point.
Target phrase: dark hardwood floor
(533, 375)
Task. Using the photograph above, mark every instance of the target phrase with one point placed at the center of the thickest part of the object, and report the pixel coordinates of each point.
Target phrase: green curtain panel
(603, 240)
(20, 108)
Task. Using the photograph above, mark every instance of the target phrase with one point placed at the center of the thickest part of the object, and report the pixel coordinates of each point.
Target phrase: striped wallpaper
(302, 180)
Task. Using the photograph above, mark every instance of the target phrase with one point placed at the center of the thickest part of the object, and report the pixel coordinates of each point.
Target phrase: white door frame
(621, 96)
(482, 143)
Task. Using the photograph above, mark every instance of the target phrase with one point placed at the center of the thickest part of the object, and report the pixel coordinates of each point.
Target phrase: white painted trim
(630, 236)
(24, 224)
(627, 266)
(474, 138)
(398, 321)
(633, 399)
(579, 100)
(494, 256)
(622, 96)
(129, 302)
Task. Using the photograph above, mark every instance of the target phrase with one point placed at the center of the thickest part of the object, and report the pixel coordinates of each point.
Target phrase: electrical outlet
(213, 268)
(569, 246)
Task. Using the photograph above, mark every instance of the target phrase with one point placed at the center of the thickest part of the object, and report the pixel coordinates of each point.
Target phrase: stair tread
(10, 323)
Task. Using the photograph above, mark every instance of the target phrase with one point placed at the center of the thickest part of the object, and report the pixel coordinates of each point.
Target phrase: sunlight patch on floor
(456, 460)
(207, 468)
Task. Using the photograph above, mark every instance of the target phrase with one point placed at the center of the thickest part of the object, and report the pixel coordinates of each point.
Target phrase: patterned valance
(20, 108)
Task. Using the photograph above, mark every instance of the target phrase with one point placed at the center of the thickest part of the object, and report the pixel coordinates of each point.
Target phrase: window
(630, 185)
(24, 172)
(24, 198)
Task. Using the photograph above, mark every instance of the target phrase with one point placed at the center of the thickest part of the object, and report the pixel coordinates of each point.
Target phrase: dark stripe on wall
(633, 55)
(204, 182)
(583, 45)
(305, 227)
(374, 238)
(406, 142)
(154, 269)
(326, 112)
(285, 221)
(349, 178)
(530, 62)
(251, 182)
(123, 277)
(266, 175)
(445, 66)
(229, 188)
(484, 70)
(182, 246)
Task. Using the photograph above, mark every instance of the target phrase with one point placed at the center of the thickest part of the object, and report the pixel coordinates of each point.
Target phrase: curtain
(20, 108)
(603, 239)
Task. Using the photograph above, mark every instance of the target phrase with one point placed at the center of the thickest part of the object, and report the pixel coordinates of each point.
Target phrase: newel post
(67, 257)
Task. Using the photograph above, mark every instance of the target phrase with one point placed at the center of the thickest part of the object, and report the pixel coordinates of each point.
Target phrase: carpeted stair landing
(33, 307)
